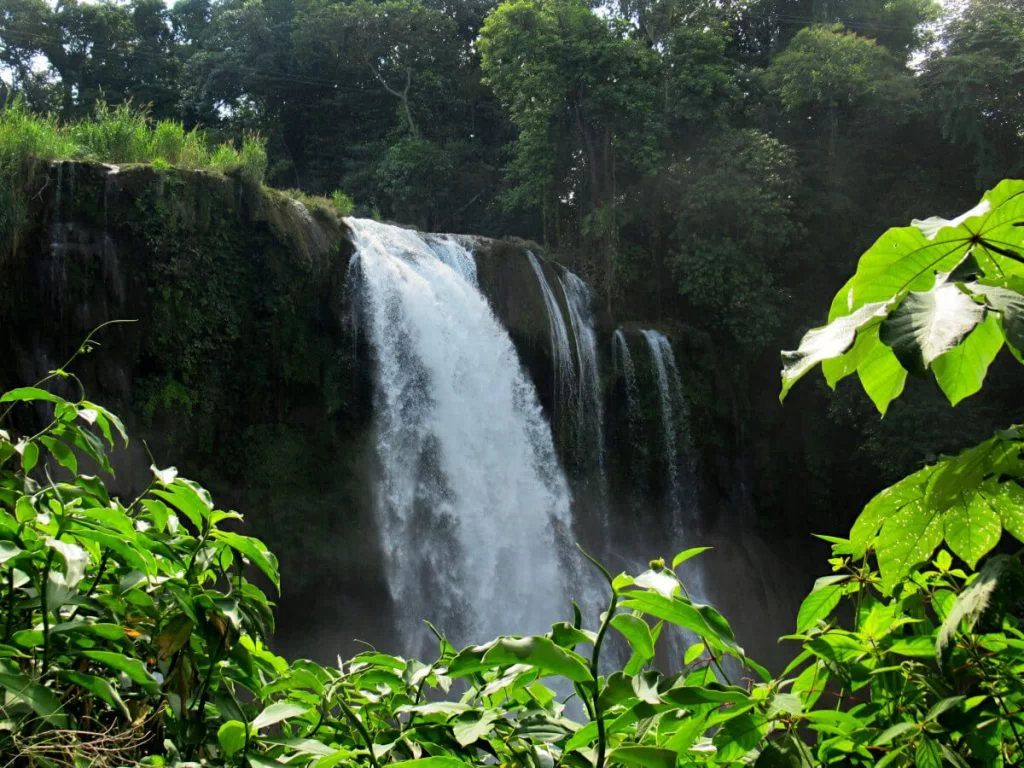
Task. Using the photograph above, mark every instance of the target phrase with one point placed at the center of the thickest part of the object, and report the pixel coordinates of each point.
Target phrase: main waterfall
(473, 508)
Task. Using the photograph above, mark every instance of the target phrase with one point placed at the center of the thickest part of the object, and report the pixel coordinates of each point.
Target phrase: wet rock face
(242, 369)
(237, 368)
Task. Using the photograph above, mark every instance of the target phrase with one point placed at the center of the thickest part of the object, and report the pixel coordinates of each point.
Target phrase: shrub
(118, 134)
(253, 157)
(343, 204)
(168, 141)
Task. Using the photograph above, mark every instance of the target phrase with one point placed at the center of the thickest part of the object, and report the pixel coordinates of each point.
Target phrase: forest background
(718, 164)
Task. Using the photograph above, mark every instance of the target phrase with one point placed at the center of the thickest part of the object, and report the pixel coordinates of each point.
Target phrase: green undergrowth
(122, 134)
(133, 636)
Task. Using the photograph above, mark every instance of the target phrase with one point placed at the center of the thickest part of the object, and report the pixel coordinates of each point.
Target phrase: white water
(589, 414)
(622, 356)
(473, 508)
(559, 336)
(669, 390)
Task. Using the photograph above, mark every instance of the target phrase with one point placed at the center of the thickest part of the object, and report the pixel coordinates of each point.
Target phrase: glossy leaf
(636, 632)
(961, 371)
(646, 757)
(926, 325)
(822, 600)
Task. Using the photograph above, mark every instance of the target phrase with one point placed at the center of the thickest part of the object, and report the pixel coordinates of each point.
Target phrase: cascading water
(59, 238)
(675, 426)
(622, 357)
(565, 377)
(670, 391)
(472, 505)
(589, 413)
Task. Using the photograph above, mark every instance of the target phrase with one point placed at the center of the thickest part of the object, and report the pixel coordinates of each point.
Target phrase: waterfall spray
(472, 506)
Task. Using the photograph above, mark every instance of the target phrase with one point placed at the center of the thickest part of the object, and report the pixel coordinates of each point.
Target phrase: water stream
(473, 508)
(670, 391)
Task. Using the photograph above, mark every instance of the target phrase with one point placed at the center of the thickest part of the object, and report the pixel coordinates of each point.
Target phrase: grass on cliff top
(121, 134)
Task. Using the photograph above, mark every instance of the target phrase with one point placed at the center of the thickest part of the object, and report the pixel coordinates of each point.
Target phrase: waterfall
(670, 393)
(589, 413)
(472, 506)
(564, 374)
(621, 356)
(59, 239)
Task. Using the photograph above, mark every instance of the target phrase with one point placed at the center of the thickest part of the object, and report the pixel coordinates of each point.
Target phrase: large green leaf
(40, 698)
(681, 612)
(820, 344)
(885, 504)
(959, 500)
(914, 304)
(636, 632)
(275, 713)
(1008, 302)
(646, 757)
(822, 600)
(28, 394)
(255, 551)
(133, 668)
(1008, 498)
(972, 529)
(926, 325)
(961, 370)
(538, 652)
(906, 539)
(97, 686)
(880, 373)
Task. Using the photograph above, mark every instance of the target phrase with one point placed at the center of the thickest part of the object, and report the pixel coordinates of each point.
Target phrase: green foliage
(413, 177)
(733, 273)
(121, 134)
(940, 295)
(343, 204)
(828, 68)
(937, 647)
(972, 84)
(25, 140)
(119, 615)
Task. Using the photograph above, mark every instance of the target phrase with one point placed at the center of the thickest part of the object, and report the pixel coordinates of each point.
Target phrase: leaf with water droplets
(907, 538)
(973, 529)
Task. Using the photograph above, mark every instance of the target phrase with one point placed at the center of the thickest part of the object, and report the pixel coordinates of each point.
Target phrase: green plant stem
(363, 733)
(1013, 726)
(86, 344)
(214, 660)
(46, 576)
(602, 736)
(9, 624)
(44, 580)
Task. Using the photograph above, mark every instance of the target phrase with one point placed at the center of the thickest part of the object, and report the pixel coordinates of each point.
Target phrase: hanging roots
(122, 747)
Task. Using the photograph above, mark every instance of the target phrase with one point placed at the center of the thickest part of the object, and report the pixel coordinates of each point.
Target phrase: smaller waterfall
(622, 357)
(59, 240)
(589, 413)
(670, 391)
(559, 336)
(112, 273)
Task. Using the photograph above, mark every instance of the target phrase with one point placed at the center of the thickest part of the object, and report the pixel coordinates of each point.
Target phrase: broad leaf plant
(132, 634)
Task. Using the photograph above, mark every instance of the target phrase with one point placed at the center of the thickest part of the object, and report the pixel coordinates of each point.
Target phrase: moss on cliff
(240, 359)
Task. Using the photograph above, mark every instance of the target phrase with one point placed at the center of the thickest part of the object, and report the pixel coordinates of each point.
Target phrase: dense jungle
(453, 311)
